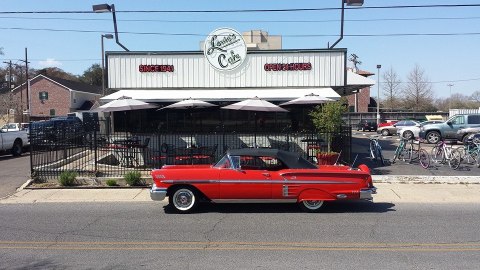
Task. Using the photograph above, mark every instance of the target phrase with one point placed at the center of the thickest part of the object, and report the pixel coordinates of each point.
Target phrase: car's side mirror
(449, 123)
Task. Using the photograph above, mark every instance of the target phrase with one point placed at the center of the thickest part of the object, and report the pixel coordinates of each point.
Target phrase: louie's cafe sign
(225, 49)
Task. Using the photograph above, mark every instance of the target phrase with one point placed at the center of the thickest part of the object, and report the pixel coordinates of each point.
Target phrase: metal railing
(94, 154)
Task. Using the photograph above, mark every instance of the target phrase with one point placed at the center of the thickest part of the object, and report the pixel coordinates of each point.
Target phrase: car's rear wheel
(17, 148)
(183, 200)
(311, 206)
(385, 132)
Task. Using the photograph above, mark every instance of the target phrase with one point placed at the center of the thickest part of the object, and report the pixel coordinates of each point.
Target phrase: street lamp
(378, 94)
(349, 3)
(450, 98)
(107, 36)
(102, 8)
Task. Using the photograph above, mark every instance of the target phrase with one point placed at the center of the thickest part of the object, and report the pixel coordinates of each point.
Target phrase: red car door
(245, 184)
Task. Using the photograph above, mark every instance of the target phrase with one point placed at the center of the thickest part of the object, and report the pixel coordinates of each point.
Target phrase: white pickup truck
(13, 141)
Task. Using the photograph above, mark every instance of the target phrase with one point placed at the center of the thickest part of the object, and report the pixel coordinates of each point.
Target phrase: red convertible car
(254, 175)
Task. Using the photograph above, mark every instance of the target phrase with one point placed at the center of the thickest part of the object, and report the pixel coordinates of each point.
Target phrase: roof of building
(69, 84)
(365, 73)
(76, 86)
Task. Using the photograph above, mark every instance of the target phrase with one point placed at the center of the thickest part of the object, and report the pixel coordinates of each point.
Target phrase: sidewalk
(393, 192)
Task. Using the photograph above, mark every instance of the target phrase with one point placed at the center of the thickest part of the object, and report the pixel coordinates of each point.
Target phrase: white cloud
(50, 62)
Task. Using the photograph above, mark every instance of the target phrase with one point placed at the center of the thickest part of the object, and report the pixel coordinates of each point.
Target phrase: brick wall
(363, 99)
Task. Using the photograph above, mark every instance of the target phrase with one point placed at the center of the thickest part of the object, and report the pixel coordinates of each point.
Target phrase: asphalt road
(349, 235)
(14, 171)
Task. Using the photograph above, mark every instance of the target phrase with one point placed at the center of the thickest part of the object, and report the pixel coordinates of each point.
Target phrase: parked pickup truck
(448, 130)
(13, 141)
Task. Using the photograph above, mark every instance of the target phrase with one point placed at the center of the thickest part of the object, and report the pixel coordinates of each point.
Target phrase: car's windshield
(223, 163)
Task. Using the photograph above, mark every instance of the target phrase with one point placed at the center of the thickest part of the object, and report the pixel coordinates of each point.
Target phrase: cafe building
(226, 71)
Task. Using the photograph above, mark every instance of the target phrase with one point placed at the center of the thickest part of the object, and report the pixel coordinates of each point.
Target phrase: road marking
(278, 246)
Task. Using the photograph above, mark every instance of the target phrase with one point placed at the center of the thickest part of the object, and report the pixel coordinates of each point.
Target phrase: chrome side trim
(255, 201)
(253, 182)
(158, 194)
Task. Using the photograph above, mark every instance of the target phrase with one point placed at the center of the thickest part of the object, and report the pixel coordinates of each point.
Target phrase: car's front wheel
(408, 134)
(433, 137)
(311, 206)
(385, 132)
(184, 200)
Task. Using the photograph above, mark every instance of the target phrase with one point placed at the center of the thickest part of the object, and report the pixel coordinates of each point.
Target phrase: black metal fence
(96, 154)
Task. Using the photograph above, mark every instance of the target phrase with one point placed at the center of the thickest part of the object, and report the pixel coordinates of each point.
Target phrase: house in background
(49, 97)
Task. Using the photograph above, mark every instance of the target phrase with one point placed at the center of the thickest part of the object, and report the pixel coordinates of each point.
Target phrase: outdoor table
(128, 151)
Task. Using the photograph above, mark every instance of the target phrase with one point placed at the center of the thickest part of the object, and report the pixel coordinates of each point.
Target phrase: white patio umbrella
(255, 104)
(308, 99)
(189, 104)
(124, 104)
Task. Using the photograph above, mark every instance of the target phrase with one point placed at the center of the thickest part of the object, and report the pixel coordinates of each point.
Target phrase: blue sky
(445, 59)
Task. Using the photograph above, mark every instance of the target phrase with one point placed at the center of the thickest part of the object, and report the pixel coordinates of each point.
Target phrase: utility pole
(9, 74)
(28, 84)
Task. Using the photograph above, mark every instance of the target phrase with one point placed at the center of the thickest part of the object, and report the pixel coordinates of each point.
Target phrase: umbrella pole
(255, 132)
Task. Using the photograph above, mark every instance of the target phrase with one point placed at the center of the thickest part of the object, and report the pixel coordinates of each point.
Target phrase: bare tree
(418, 91)
(391, 88)
(475, 97)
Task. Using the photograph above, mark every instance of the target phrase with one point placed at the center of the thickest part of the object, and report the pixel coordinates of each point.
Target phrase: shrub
(133, 178)
(111, 183)
(68, 178)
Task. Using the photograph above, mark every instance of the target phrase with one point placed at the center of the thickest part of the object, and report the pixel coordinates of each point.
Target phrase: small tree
(328, 118)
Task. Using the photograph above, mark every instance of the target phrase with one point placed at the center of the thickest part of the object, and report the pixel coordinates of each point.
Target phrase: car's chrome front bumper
(366, 194)
(158, 194)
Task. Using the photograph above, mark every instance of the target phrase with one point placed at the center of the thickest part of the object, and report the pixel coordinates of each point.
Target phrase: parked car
(387, 123)
(58, 131)
(13, 141)
(365, 125)
(260, 175)
(464, 133)
(14, 127)
(393, 129)
(448, 130)
(410, 132)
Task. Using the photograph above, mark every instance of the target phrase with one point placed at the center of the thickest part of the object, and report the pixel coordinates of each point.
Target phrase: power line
(283, 35)
(246, 10)
(243, 21)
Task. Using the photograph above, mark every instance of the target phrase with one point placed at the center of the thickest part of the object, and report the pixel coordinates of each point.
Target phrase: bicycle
(470, 152)
(376, 150)
(442, 153)
(402, 152)
(419, 153)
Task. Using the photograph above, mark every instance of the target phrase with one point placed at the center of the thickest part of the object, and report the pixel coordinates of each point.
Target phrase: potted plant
(328, 118)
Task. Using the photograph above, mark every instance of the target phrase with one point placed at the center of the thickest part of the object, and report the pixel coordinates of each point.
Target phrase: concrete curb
(425, 179)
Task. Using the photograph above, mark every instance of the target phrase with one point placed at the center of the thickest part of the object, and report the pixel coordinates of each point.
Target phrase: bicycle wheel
(408, 155)
(380, 160)
(397, 153)
(373, 150)
(438, 156)
(424, 158)
(454, 160)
